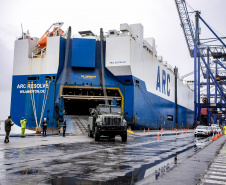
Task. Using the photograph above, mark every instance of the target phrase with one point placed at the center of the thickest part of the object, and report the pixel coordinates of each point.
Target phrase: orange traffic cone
(176, 131)
(213, 138)
(144, 130)
(186, 131)
(182, 132)
(158, 135)
(194, 131)
(148, 129)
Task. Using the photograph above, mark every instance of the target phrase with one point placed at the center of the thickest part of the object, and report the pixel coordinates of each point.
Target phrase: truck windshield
(116, 110)
(105, 109)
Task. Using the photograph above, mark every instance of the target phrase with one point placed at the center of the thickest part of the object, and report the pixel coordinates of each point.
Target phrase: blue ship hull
(142, 108)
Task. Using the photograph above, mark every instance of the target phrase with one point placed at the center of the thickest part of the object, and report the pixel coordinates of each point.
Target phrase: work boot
(5, 141)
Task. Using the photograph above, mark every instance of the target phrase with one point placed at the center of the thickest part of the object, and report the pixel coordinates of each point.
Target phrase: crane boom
(189, 74)
(186, 25)
(200, 50)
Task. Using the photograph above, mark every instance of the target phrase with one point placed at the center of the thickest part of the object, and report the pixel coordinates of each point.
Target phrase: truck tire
(124, 137)
(97, 135)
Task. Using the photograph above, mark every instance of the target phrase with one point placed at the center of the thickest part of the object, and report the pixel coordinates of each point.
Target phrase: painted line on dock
(213, 182)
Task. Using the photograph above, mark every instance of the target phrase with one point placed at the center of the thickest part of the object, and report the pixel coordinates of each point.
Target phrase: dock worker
(44, 127)
(8, 124)
(224, 130)
(23, 123)
(64, 127)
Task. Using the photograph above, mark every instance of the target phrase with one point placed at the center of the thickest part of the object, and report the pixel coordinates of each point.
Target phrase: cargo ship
(60, 75)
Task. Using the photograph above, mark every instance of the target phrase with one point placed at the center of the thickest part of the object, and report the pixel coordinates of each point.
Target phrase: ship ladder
(33, 101)
(46, 93)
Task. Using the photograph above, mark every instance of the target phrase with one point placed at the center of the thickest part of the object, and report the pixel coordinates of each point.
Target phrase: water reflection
(201, 142)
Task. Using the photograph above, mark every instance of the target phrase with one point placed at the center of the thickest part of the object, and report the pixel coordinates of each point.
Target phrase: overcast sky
(159, 18)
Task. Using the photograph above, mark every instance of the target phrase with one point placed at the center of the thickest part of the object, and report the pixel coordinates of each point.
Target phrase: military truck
(107, 120)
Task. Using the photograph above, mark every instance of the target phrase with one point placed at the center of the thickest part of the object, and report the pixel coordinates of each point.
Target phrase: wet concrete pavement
(216, 173)
(143, 159)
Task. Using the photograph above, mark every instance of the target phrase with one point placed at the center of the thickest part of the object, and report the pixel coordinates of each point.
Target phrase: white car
(210, 130)
(202, 131)
(216, 129)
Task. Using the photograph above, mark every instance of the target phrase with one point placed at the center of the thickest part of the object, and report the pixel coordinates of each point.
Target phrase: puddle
(28, 172)
(200, 143)
(125, 180)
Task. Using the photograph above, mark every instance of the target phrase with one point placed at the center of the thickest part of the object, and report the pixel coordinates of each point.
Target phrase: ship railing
(38, 52)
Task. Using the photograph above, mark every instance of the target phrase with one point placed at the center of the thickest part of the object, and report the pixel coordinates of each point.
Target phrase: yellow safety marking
(91, 77)
(130, 131)
(83, 87)
(36, 159)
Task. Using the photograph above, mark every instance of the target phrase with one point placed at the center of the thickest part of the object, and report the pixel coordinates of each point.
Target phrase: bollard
(38, 129)
(175, 158)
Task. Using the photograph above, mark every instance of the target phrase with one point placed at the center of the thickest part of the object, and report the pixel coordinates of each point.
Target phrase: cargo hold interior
(77, 101)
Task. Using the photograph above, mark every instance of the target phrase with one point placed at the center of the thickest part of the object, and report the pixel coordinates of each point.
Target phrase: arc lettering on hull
(165, 82)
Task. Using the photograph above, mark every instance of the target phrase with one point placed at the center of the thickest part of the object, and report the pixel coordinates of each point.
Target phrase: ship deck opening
(77, 101)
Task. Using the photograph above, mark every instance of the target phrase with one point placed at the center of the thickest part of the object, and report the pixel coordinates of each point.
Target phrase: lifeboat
(43, 40)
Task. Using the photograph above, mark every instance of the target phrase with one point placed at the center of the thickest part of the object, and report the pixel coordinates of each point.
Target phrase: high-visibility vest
(224, 130)
(23, 123)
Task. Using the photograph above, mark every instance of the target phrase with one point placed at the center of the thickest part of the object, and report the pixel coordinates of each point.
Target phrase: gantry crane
(214, 71)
